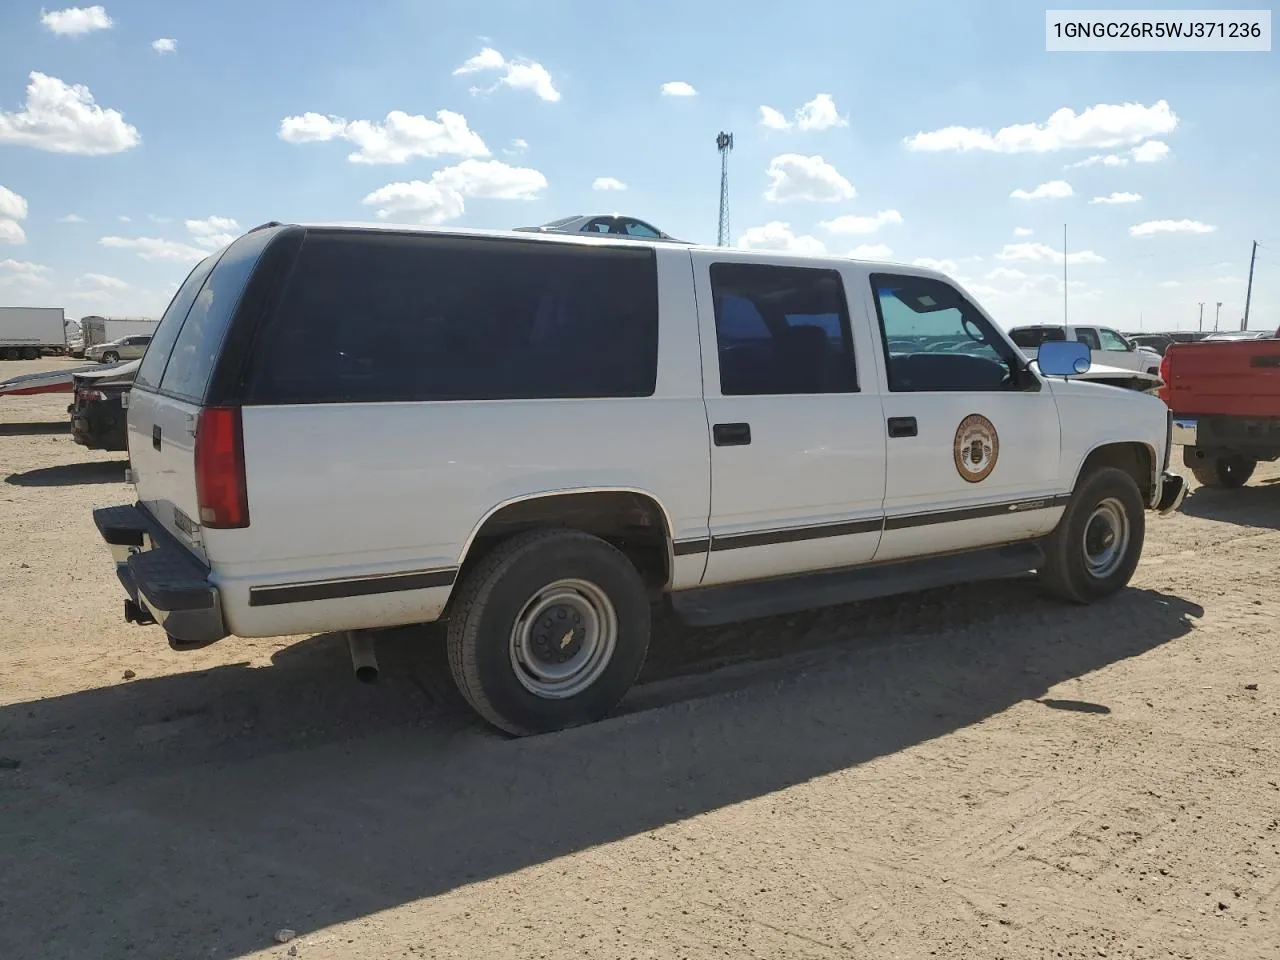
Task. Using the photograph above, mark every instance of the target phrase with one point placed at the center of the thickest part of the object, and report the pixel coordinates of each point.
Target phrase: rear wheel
(1096, 546)
(1225, 472)
(9, 353)
(110, 357)
(549, 631)
(30, 353)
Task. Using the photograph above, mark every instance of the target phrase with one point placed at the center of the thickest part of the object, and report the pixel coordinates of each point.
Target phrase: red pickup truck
(1225, 400)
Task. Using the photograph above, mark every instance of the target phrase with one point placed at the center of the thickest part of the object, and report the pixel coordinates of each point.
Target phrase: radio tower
(724, 143)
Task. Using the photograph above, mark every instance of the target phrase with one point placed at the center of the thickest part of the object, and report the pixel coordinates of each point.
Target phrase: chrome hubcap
(563, 639)
(1106, 538)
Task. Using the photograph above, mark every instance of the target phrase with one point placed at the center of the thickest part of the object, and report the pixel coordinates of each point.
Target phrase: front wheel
(110, 357)
(1095, 548)
(549, 631)
(1229, 472)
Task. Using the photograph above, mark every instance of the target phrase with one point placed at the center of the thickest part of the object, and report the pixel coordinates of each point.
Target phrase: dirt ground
(974, 773)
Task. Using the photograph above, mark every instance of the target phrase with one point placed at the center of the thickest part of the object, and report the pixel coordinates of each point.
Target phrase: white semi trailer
(30, 332)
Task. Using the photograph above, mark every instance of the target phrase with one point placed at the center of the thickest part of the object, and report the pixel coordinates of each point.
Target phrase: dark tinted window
(936, 340)
(152, 367)
(638, 228)
(196, 349)
(372, 316)
(781, 330)
(1031, 337)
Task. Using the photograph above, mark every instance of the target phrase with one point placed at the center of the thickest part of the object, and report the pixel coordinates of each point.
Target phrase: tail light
(221, 493)
(83, 396)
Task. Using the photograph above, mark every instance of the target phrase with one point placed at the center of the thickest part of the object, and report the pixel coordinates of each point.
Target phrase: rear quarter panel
(1224, 378)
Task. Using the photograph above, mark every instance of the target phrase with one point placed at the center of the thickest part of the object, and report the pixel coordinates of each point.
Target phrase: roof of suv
(584, 239)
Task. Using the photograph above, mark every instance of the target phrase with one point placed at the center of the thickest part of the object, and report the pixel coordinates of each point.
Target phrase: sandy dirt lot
(972, 773)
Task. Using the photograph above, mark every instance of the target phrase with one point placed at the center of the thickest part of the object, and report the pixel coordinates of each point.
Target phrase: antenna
(724, 143)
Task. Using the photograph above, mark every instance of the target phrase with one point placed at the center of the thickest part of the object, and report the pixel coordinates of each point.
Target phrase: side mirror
(1063, 358)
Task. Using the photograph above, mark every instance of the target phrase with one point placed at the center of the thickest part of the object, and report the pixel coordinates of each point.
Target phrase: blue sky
(279, 109)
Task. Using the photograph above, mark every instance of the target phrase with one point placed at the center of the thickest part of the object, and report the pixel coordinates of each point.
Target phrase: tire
(1078, 567)
(9, 353)
(490, 656)
(110, 357)
(30, 353)
(1230, 472)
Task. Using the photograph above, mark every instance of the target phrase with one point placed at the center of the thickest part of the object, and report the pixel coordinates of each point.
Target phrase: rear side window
(391, 317)
(1029, 337)
(781, 330)
(152, 367)
(196, 349)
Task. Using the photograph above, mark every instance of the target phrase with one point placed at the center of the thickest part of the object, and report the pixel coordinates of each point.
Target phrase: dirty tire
(1228, 472)
(1066, 573)
(30, 353)
(491, 599)
(110, 357)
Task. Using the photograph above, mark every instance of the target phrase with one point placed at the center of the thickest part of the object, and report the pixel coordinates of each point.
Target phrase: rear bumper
(161, 577)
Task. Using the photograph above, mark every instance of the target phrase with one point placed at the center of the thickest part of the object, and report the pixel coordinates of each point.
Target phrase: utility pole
(1064, 275)
(1201, 327)
(1215, 316)
(1248, 294)
(724, 143)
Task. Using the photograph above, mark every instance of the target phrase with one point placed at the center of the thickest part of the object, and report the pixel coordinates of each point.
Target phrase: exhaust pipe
(363, 660)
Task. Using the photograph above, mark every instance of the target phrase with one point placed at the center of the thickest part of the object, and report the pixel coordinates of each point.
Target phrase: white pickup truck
(535, 437)
(1108, 347)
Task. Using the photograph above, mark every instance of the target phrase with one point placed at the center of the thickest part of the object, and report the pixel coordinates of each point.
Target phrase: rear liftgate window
(394, 317)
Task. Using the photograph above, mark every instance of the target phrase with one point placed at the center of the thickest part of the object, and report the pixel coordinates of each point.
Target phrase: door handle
(731, 434)
(155, 435)
(902, 426)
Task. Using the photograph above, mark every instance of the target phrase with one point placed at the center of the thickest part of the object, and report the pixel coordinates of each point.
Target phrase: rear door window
(196, 348)
(371, 316)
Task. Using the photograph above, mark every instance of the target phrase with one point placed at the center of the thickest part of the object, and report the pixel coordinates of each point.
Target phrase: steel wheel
(563, 639)
(1106, 538)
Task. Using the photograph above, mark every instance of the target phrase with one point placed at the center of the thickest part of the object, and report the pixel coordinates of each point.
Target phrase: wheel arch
(631, 518)
(1135, 457)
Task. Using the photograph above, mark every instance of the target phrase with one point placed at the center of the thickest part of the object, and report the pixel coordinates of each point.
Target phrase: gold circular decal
(976, 448)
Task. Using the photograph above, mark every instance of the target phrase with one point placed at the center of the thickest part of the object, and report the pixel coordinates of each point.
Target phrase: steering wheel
(972, 331)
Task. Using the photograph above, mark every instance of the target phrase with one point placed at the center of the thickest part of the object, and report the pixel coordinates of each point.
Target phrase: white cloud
(398, 139)
(1228, 279)
(1052, 190)
(518, 146)
(942, 266)
(442, 197)
(153, 248)
(1006, 273)
(75, 21)
(521, 74)
(12, 209)
(607, 183)
(101, 281)
(63, 118)
(23, 273)
(1101, 126)
(796, 177)
(1022, 231)
(1152, 227)
(852, 223)
(71, 218)
(871, 251)
(212, 232)
(1150, 152)
(165, 45)
(1117, 197)
(678, 88)
(1170, 284)
(773, 119)
(777, 235)
(820, 114)
(1043, 253)
(124, 219)
(1110, 160)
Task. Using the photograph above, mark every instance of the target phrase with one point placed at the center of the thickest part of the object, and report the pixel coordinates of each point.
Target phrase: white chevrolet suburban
(535, 437)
